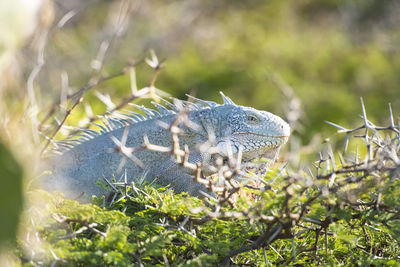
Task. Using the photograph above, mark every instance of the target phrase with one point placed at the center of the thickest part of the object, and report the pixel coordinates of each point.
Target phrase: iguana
(94, 156)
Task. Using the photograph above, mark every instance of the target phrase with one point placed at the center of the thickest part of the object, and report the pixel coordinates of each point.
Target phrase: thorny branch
(332, 185)
(381, 165)
(300, 190)
(78, 96)
(97, 77)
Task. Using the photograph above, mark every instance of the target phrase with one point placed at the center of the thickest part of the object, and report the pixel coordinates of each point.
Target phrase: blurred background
(325, 54)
(308, 61)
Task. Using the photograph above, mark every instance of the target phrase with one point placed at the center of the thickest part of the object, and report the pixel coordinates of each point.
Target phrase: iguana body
(94, 157)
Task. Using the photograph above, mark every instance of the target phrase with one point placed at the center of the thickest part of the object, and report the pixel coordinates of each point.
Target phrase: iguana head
(257, 133)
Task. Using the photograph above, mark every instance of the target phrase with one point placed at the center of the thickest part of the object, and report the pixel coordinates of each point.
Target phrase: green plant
(344, 212)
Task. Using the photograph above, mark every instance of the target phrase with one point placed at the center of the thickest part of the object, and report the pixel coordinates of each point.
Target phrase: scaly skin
(257, 133)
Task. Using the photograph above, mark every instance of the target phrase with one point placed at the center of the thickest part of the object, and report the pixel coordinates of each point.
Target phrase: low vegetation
(343, 209)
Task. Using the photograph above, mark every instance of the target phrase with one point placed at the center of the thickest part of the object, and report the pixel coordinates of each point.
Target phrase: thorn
(279, 173)
(89, 111)
(332, 158)
(332, 179)
(342, 160)
(116, 141)
(125, 136)
(153, 62)
(346, 143)
(121, 164)
(391, 116)
(239, 157)
(310, 172)
(364, 113)
(341, 129)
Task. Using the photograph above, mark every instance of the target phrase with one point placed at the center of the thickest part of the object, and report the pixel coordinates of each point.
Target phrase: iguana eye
(252, 119)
